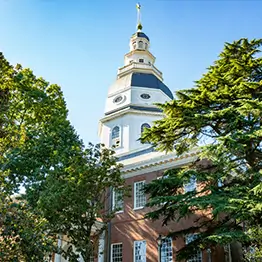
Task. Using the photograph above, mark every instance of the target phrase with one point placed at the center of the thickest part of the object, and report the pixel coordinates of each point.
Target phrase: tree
(36, 140)
(33, 123)
(75, 202)
(66, 184)
(24, 234)
(221, 116)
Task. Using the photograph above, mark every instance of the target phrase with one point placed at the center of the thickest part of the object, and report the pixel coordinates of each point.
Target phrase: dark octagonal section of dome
(150, 81)
(141, 34)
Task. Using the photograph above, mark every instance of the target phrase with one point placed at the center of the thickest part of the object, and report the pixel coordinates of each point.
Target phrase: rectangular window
(197, 257)
(166, 250)
(191, 185)
(140, 251)
(141, 60)
(139, 195)
(118, 203)
(116, 252)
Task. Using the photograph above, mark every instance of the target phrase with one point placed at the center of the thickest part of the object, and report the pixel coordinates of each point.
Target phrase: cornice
(157, 163)
(141, 51)
(128, 110)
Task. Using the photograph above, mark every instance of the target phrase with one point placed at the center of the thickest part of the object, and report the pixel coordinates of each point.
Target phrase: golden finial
(139, 25)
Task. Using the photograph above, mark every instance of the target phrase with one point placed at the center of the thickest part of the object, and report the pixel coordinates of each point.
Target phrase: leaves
(66, 183)
(222, 116)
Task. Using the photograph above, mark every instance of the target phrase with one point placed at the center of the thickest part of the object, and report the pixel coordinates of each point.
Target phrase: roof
(139, 108)
(150, 81)
(141, 34)
(140, 80)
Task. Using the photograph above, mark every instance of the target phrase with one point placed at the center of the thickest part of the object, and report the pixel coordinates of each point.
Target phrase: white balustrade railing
(135, 65)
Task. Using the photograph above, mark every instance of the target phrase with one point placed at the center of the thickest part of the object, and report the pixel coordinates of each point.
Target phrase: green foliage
(24, 234)
(74, 202)
(65, 182)
(254, 252)
(222, 117)
(31, 112)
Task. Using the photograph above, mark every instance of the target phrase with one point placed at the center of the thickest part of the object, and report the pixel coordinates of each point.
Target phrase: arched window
(134, 45)
(145, 125)
(116, 136)
(140, 44)
(146, 46)
(115, 132)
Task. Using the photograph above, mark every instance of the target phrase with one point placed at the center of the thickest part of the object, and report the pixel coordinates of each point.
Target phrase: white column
(101, 247)
(59, 244)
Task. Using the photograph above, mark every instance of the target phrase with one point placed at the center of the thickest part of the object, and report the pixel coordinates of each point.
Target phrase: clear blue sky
(79, 44)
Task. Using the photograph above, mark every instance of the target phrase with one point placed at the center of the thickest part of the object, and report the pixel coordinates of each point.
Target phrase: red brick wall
(130, 225)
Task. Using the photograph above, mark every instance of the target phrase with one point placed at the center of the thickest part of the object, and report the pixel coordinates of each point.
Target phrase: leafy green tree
(76, 203)
(66, 184)
(221, 116)
(36, 141)
(24, 234)
(33, 125)
(31, 112)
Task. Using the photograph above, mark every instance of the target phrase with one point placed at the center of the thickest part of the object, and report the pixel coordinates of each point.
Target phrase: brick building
(130, 107)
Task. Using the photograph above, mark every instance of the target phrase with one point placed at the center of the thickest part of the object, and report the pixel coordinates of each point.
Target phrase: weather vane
(139, 25)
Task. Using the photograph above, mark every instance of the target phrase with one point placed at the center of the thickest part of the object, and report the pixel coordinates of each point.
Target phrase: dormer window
(116, 136)
(141, 60)
(140, 45)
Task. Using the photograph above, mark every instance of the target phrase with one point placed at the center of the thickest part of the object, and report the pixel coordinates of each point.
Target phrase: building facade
(130, 108)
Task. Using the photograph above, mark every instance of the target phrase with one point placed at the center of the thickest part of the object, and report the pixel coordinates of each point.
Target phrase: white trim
(111, 250)
(148, 168)
(129, 111)
(161, 248)
(118, 92)
(123, 99)
(135, 200)
(114, 202)
(134, 249)
(114, 139)
(138, 208)
(101, 247)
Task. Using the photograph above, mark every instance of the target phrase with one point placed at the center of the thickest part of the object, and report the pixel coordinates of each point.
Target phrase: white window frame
(115, 244)
(135, 197)
(113, 140)
(198, 256)
(144, 255)
(115, 201)
(165, 256)
(191, 185)
(140, 44)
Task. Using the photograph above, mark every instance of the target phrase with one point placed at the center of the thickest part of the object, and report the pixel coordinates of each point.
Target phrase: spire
(139, 25)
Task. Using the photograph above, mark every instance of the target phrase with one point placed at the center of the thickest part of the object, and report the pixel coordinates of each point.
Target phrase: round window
(118, 99)
(145, 96)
